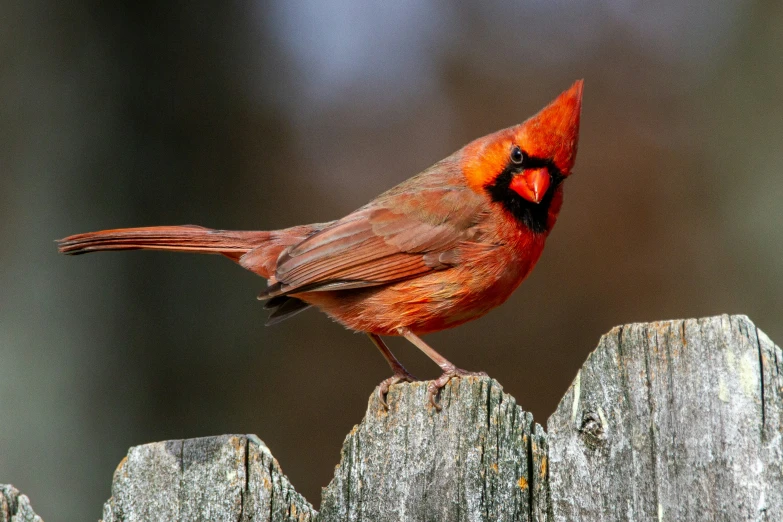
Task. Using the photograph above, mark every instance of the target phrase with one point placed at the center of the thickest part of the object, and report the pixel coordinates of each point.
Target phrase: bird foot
(448, 374)
(400, 375)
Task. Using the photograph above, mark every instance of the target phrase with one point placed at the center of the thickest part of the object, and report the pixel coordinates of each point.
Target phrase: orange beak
(531, 184)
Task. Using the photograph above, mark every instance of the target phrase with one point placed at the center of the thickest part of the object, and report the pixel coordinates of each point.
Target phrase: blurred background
(263, 115)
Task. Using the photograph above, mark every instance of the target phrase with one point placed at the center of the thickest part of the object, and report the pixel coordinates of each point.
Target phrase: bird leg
(449, 370)
(400, 373)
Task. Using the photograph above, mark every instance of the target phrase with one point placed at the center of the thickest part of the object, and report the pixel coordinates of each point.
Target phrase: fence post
(675, 420)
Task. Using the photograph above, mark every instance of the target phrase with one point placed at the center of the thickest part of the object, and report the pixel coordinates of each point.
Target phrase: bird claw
(435, 386)
(383, 388)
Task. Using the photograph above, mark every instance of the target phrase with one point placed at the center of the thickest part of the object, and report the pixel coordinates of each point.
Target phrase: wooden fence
(675, 420)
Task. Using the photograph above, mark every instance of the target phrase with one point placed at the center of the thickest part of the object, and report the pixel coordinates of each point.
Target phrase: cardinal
(440, 249)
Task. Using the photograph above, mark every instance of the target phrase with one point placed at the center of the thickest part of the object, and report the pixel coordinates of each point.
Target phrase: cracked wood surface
(230, 477)
(15, 507)
(675, 420)
(477, 460)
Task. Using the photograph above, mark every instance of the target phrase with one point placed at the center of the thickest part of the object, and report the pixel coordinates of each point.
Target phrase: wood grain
(676, 420)
(15, 507)
(667, 421)
(474, 461)
(230, 477)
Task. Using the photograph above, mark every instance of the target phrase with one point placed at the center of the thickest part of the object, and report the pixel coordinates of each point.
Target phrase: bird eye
(517, 156)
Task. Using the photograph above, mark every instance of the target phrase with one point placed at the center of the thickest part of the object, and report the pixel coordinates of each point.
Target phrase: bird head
(523, 165)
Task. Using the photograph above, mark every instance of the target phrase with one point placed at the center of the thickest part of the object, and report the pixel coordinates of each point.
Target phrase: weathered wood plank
(15, 507)
(476, 460)
(677, 420)
(226, 478)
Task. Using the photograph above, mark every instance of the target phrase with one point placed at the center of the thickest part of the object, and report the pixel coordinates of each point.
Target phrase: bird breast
(484, 278)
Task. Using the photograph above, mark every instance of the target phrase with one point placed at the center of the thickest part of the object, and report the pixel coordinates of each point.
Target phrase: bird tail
(256, 251)
(184, 238)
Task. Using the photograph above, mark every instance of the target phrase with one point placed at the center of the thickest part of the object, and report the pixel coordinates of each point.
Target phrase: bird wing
(401, 235)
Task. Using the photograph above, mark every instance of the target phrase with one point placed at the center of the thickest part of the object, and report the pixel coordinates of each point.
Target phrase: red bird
(438, 250)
